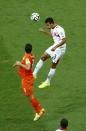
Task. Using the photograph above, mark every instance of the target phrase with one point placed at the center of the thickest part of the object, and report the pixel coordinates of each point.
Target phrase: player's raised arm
(25, 66)
(45, 32)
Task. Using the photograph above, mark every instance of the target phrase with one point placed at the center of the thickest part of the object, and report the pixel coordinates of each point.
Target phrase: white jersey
(58, 130)
(58, 34)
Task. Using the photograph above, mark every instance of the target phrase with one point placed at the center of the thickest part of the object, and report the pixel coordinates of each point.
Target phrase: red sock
(36, 105)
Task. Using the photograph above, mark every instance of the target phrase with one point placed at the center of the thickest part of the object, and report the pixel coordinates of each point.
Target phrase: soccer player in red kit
(25, 72)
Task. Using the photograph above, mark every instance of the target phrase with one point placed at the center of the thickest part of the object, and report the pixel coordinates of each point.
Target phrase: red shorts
(27, 86)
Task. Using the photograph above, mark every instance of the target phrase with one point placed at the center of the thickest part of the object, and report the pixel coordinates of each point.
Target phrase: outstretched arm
(26, 66)
(43, 31)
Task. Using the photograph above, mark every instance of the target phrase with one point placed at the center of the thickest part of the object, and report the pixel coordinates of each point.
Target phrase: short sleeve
(27, 61)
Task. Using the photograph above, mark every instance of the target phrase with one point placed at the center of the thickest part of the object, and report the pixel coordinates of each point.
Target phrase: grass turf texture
(67, 95)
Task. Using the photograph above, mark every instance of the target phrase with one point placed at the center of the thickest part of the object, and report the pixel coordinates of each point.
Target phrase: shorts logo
(54, 57)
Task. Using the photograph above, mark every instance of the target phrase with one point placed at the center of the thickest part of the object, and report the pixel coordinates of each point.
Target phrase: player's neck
(27, 53)
(63, 129)
(54, 26)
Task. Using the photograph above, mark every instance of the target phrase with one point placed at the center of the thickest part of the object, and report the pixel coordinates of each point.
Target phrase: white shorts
(57, 54)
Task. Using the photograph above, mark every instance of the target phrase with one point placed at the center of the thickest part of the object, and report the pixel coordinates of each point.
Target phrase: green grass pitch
(66, 97)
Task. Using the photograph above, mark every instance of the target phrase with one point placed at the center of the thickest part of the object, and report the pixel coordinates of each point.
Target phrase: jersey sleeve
(27, 61)
(58, 130)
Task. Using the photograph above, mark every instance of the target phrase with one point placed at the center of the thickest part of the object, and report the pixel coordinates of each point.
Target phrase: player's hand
(17, 63)
(41, 30)
(53, 49)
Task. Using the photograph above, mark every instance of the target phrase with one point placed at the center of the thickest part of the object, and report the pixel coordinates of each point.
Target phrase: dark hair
(28, 48)
(49, 20)
(64, 123)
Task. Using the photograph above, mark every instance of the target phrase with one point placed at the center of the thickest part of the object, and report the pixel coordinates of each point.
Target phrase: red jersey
(26, 73)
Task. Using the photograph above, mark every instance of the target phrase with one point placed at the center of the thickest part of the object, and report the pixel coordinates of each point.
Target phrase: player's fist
(17, 63)
(41, 30)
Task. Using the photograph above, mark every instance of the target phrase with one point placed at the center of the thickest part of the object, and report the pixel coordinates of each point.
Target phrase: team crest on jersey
(62, 34)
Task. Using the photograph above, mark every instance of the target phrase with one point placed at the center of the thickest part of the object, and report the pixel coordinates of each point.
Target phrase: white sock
(38, 66)
(50, 74)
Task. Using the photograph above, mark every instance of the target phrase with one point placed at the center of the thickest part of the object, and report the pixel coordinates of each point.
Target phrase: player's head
(64, 123)
(28, 48)
(49, 22)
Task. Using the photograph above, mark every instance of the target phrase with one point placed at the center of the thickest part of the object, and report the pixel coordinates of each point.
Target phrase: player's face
(49, 25)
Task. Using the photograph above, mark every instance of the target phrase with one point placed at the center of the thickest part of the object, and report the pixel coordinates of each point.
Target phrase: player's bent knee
(43, 58)
(31, 96)
(55, 64)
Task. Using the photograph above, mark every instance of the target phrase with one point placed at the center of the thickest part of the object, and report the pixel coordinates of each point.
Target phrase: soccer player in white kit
(56, 51)
(63, 125)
